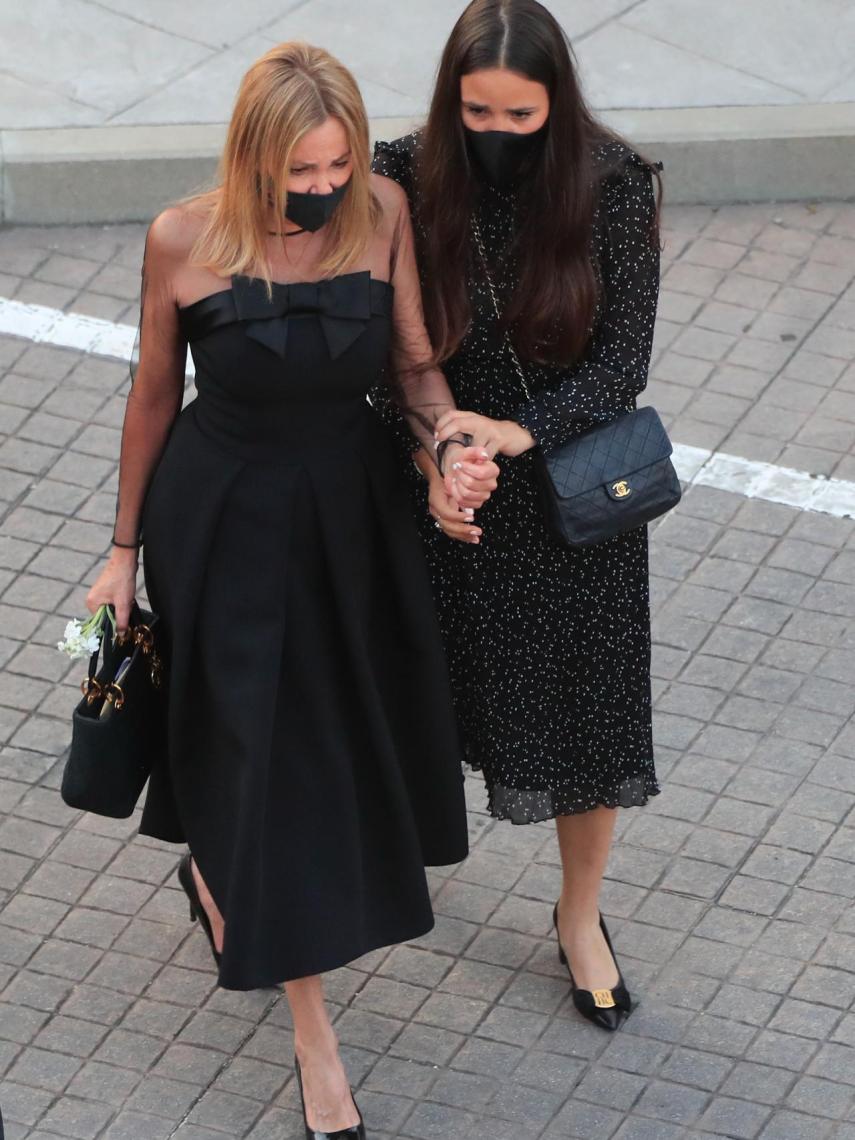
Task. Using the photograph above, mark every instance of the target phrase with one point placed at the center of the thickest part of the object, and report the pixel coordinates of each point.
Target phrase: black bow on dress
(343, 305)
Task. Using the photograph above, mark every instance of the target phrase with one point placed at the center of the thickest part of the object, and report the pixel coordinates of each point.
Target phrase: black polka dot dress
(549, 648)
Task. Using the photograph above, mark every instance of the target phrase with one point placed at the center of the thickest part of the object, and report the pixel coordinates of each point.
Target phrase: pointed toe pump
(607, 1009)
(355, 1132)
(197, 911)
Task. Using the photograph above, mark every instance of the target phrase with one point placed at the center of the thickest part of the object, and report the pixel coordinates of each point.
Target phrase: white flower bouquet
(82, 639)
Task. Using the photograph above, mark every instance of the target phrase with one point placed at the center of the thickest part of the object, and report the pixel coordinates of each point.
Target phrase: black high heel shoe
(355, 1132)
(607, 1009)
(197, 911)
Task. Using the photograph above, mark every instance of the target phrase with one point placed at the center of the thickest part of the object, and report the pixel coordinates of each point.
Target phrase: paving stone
(75, 1117)
(36, 991)
(795, 1126)
(736, 1003)
(581, 1121)
(548, 1071)
(488, 1127)
(23, 1105)
(790, 939)
(782, 1050)
(138, 1126)
(826, 986)
(429, 1121)
(812, 906)
(225, 1111)
(701, 772)
(216, 1031)
(824, 1098)
(834, 1062)
(162, 1096)
(693, 877)
(637, 1129)
(690, 1067)
(719, 1035)
(735, 1118)
(253, 1078)
(465, 1090)
(611, 1088)
(91, 927)
(501, 947)
(20, 1024)
(106, 1007)
(735, 889)
(44, 1070)
(776, 863)
(129, 1050)
(714, 846)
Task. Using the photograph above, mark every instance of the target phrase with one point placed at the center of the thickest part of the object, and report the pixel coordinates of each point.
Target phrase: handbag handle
(482, 253)
(139, 634)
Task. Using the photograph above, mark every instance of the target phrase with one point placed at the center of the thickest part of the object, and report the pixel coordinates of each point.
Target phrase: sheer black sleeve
(394, 161)
(614, 368)
(417, 387)
(157, 380)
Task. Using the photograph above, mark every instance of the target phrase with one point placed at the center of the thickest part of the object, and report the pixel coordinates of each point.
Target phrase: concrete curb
(711, 155)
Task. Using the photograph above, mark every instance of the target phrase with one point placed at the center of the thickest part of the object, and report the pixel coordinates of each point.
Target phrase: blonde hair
(290, 91)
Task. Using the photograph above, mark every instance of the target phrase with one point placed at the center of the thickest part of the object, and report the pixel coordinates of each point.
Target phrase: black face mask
(501, 155)
(312, 211)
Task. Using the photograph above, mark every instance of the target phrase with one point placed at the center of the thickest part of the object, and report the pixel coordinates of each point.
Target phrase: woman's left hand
(503, 436)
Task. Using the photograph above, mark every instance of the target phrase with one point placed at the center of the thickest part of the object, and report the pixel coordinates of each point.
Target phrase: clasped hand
(471, 475)
(503, 437)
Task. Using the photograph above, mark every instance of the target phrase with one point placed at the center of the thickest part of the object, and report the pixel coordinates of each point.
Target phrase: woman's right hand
(453, 520)
(471, 476)
(116, 586)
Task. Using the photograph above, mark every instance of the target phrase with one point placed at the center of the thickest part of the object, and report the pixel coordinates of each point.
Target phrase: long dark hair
(553, 305)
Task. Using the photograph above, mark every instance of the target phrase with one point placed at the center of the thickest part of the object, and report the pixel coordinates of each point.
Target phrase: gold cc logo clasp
(621, 489)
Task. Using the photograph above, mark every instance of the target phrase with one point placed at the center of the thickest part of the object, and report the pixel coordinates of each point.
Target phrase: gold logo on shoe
(621, 489)
(603, 999)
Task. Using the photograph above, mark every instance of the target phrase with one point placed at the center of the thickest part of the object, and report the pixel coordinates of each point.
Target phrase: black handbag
(120, 725)
(606, 480)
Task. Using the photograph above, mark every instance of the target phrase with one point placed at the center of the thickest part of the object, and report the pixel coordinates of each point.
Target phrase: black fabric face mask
(312, 211)
(501, 155)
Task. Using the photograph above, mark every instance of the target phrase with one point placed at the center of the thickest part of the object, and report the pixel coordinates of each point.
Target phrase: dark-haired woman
(513, 183)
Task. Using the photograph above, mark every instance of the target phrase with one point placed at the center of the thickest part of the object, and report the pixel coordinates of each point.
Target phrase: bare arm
(153, 404)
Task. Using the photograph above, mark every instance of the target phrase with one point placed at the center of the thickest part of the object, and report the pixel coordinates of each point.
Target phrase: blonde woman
(313, 763)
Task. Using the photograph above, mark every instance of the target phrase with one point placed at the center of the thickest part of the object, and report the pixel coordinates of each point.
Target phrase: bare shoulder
(173, 232)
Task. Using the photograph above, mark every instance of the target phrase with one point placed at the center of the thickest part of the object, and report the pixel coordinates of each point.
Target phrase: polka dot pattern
(549, 648)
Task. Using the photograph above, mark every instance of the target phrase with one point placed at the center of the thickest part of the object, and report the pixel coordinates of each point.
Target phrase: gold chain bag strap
(608, 479)
(482, 253)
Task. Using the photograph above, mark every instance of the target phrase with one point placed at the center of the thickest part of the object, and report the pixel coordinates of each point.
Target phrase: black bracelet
(464, 439)
(126, 545)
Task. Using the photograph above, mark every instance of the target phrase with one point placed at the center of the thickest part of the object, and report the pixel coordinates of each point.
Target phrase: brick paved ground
(732, 898)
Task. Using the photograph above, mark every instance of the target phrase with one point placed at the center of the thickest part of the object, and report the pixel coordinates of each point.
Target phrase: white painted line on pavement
(695, 465)
(66, 330)
(766, 481)
(69, 330)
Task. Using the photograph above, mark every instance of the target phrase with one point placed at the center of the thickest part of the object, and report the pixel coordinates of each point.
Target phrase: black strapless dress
(314, 763)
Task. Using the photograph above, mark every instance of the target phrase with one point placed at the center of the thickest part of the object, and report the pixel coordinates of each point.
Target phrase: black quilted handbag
(606, 480)
(119, 727)
(609, 479)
